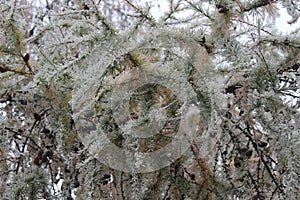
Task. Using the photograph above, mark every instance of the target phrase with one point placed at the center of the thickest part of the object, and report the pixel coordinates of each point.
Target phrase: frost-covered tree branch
(114, 100)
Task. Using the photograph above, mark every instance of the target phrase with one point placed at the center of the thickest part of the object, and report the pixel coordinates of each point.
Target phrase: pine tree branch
(142, 14)
(257, 4)
(199, 9)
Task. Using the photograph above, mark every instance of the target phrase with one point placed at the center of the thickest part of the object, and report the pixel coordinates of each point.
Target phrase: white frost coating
(92, 70)
(171, 74)
(113, 156)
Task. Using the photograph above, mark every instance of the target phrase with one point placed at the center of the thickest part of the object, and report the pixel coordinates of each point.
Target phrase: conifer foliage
(114, 100)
